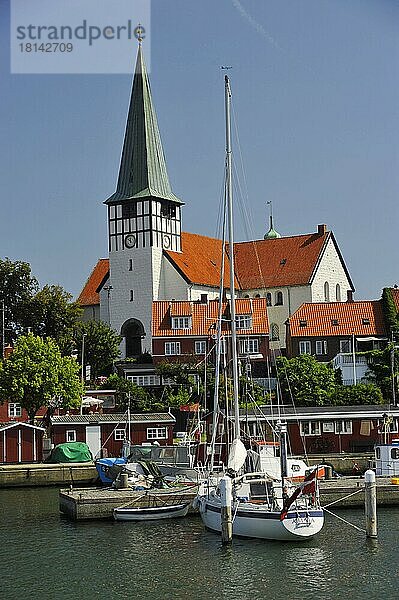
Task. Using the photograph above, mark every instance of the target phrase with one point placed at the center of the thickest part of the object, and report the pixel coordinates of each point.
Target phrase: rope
(345, 521)
(344, 498)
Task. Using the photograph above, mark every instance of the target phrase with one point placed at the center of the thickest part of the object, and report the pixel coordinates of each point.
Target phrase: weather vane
(139, 33)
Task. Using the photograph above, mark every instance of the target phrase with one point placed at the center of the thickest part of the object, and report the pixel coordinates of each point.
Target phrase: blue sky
(316, 97)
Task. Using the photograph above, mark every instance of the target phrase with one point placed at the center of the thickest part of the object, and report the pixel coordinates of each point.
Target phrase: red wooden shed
(20, 442)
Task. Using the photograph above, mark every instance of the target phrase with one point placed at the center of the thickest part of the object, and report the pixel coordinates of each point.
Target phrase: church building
(151, 259)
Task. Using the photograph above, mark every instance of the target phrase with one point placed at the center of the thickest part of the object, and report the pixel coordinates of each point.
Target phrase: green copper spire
(272, 234)
(142, 170)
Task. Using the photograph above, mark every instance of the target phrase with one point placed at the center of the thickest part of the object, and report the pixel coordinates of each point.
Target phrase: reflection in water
(53, 558)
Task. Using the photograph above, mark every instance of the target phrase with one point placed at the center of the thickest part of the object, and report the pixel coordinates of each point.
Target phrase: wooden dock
(99, 503)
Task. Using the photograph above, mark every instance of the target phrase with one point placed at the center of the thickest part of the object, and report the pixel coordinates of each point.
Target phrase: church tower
(144, 216)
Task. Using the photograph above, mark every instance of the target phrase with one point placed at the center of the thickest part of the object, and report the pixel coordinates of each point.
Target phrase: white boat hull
(256, 521)
(150, 513)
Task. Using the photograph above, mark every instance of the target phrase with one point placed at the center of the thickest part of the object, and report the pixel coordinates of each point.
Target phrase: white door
(93, 439)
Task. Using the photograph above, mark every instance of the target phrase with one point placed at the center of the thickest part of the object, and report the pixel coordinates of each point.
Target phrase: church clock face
(130, 241)
(166, 241)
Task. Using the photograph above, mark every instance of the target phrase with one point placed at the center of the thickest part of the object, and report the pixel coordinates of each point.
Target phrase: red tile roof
(363, 318)
(89, 295)
(200, 260)
(205, 315)
(270, 263)
(395, 295)
(278, 262)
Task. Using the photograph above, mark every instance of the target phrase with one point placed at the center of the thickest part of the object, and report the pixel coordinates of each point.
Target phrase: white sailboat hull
(257, 521)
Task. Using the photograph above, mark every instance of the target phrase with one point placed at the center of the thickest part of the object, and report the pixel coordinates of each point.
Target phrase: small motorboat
(150, 513)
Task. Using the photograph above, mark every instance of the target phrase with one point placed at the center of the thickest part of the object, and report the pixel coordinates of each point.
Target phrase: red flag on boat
(308, 486)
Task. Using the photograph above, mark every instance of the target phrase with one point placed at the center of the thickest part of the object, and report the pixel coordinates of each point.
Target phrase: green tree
(310, 382)
(100, 345)
(36, 375)
(140, 399)
(17, 286)
(391, 315)
(381, 363)
(50, 313)
(360, 394)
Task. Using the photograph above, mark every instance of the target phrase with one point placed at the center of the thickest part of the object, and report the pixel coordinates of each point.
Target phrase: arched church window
(268, 299)
(274, 332)
(326, 292)
(279, 299)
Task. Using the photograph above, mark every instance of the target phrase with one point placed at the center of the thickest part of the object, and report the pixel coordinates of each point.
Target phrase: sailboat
(262, 506)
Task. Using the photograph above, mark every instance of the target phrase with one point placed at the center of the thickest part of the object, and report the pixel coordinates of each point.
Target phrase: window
(172, 348)
(303, 322)
(304, 347)
(129, 210)
(156, 433)
(223, 345)
(394, 453)
(144, 380)
(345, 346)
(310, 428)
(168, 210)
(338, 292)
(119, 435)
(244, 322)
(321, 347)
(343, 427)
(14, 409)
(268, 299)
(200, 347)
(328, 427)
(131, 295)
(71, 435)
(274, 332)
(326, 292)
(279, 299)
(249, 346)
(130, 264)
(181, 322)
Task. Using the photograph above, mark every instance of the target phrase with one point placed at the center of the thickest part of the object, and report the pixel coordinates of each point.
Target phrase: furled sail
(237, 455)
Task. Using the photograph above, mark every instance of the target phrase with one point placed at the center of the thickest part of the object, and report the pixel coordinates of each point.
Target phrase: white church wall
(330, 270)
(134, 276)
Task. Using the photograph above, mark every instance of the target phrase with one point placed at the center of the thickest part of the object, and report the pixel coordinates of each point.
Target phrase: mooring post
(370, 503)
(226, 512)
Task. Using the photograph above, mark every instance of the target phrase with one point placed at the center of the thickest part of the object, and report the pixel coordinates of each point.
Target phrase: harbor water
(44, 555)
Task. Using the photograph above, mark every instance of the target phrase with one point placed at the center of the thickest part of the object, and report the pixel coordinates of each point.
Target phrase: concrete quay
(99, 503)
(46, 474)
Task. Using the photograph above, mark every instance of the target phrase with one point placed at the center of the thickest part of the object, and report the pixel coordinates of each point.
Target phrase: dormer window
(365, 321)
(181, 323)
(334, 321)
(303, 322)
(244, 322)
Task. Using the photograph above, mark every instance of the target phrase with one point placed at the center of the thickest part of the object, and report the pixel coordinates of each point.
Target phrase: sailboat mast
(231, 256)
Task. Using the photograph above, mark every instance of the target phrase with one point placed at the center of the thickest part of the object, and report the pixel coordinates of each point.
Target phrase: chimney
(349, 296)
(321, 229)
